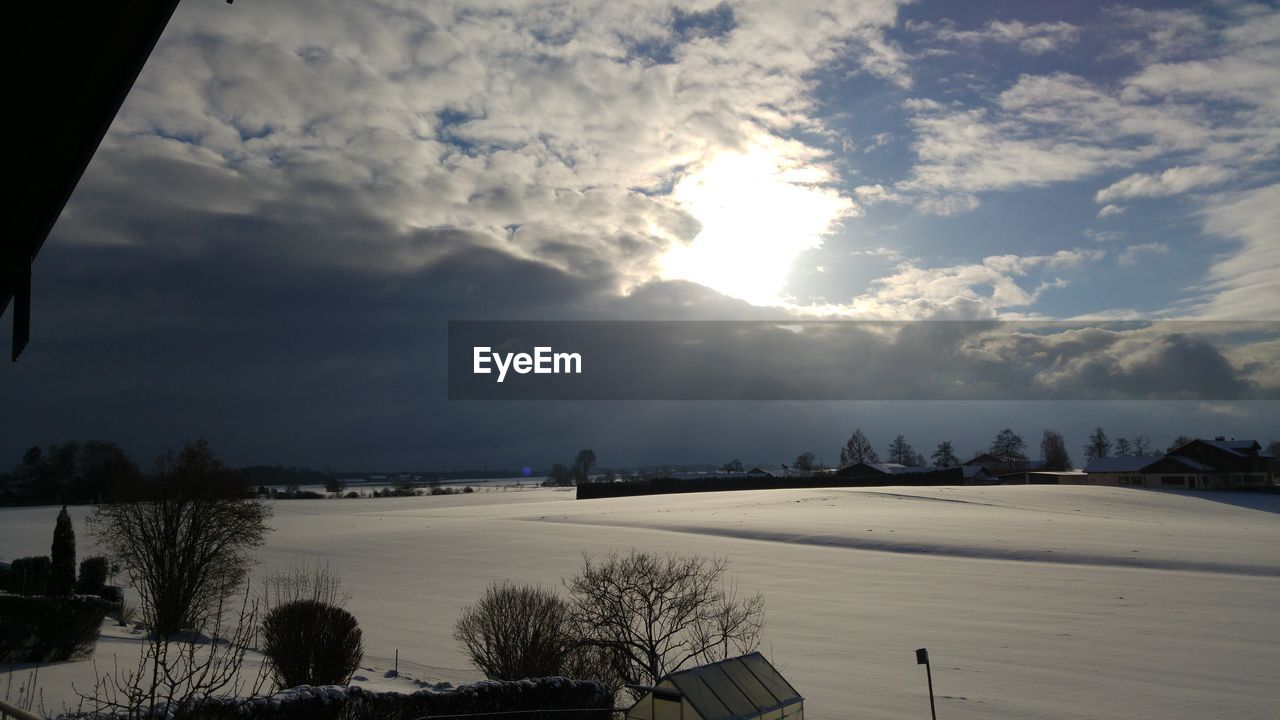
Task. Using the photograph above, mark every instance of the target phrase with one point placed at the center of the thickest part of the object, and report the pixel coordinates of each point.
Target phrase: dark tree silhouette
(62, 554)
(1123, 447)
(901, 452)
(1098, 445)
(805, 462)
(1009, 446)
(188, 541)
(1178, 442)
(1141, 445)
(945, 455)
(660, 613)
(582, 465)
(733, 466)
(560, 475)
(1053, 450)
(857, 449)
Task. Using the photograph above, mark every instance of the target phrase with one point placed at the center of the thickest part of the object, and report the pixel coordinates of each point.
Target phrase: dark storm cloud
(721, 360)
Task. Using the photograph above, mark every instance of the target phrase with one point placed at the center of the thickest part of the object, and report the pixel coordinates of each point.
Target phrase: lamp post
(922, 658)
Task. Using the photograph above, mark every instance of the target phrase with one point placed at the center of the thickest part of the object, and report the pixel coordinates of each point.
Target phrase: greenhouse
(740, 688)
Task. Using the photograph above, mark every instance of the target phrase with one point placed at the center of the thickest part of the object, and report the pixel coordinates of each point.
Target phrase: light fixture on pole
(922, 658)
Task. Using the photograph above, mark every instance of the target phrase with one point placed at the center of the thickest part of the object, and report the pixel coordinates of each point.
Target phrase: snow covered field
(1034, 601)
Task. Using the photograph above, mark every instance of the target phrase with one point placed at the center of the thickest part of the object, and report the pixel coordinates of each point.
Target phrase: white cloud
(1132, 254)
(550, 130)
(1111, 211)
(1173, 181)
(968, 291)
(1034, 39)
(1245, 284)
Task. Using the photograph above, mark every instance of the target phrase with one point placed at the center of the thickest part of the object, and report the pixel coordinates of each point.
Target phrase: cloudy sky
(296, 198)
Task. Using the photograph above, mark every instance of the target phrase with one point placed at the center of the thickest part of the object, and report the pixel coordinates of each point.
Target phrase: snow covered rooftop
(1120, 464)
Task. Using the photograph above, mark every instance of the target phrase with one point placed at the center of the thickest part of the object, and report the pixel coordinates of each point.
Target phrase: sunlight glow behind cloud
(759, 210)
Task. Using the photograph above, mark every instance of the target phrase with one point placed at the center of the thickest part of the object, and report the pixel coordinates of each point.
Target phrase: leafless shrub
(516, 631)
(175, 673)
(308, 642)
(300, 581)
(655, 614)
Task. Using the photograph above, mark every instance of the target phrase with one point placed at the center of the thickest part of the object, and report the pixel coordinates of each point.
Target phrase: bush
(37, 628)
(308, 642)
(93, 575)
(351, 495)
(493, 700)
(468, 489)
(516, 631)
(30, 575)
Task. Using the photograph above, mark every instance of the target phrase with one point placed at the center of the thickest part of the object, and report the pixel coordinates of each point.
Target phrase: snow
(1034, 601)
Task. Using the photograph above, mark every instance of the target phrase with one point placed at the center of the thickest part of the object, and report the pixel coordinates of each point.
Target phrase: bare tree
(1098, 445)
(659, 613)
(516, 631)
(1009, 446)
(582, 465)
(1123, 447)
(945, 455)
(857, 449)
(187, 543)
(901, 452)
(1053, 450)
(1179, 442)
(1141, 445)
(805, 462)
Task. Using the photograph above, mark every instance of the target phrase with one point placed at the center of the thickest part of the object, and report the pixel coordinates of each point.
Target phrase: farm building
(1217, 464)
(740, 688)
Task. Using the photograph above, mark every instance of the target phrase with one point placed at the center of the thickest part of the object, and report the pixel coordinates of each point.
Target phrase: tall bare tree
(186, 542)
(1098, 445)
(945, 455)
(1009, 446)
(1053, 450)
(901, 452)
(659, 613)
(857, 449)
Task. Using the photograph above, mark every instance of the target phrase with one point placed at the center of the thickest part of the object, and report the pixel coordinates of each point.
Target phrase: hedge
(496, 699)
(727, 483)
(36, 628)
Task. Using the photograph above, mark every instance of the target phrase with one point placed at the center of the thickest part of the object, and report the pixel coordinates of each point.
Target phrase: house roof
(734, 689)
(1193, 464)
(1133, 463)
(1239, 448)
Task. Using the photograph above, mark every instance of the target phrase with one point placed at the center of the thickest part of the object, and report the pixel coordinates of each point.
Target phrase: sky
(296, 198)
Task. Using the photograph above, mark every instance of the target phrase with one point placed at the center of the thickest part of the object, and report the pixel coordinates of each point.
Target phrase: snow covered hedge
(36, 628)
(496, 698)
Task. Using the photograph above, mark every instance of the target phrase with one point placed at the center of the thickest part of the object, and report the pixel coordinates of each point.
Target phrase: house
(1006, 469)
(1217, 464)
(1118, 470)
(774, 471)
(740, 688)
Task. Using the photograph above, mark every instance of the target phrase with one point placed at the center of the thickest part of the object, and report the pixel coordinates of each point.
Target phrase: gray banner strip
(854, 360)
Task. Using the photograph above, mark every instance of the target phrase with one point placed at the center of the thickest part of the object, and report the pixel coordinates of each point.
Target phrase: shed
(740, 688)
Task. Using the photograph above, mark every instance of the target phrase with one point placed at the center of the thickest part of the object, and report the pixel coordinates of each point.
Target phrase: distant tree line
(72, 473)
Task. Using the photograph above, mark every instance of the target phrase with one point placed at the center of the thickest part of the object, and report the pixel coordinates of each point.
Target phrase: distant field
(1035, 601)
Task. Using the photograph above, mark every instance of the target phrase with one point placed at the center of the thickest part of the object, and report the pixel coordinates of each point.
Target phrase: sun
(759, 209)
